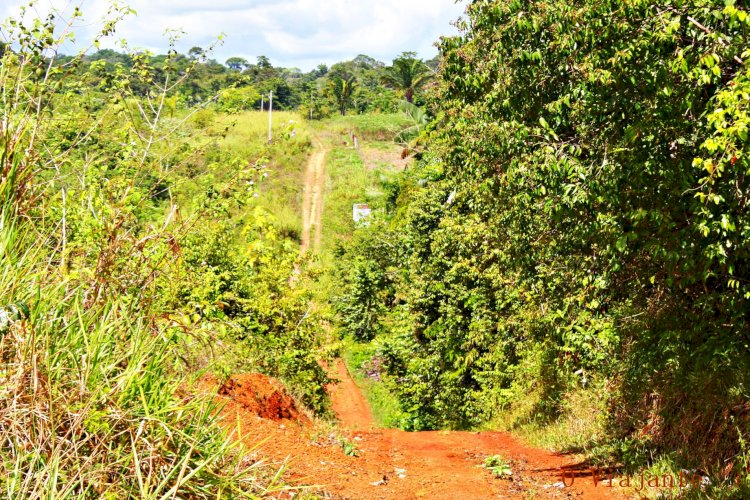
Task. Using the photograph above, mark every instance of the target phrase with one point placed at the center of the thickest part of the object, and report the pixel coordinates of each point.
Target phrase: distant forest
(361, 85)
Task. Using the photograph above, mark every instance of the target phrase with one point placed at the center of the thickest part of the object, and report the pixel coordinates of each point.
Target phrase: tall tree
(407, 74)
(342, 88)
(264, 62)
(196, 53)
(237, 63)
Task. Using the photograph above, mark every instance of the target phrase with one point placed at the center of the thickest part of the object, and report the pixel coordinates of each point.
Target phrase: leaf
(622, 244)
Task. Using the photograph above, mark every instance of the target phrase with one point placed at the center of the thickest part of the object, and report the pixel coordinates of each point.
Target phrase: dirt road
(446, 465)
(312, 202)
(358, 461)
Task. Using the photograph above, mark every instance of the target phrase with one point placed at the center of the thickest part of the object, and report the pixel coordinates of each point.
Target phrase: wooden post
(270, 117)
(262, 103)
(312, 97)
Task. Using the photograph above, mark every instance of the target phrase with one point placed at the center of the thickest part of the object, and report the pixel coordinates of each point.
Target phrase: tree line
(361, 85)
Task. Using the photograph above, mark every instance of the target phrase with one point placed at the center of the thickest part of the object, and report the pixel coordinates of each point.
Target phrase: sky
(292, 33)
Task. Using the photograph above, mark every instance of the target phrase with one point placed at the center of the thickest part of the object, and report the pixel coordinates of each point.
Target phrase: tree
(584, 216)
(407, 74)
(264, 62)
(235, 100)
(342, 88)
(366, 62)
(196, 53)
(237, 63)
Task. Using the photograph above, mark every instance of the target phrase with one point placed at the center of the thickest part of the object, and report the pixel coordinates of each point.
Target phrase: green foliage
(498, 466)
(350, 448)
(417, 115)
(408, 74)
(366, 366)
(134, 256)
(235, 100)
(341, 87)
(362, 305)
(581, 213)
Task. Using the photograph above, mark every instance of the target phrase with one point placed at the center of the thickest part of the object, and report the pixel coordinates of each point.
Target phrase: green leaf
(622, 244)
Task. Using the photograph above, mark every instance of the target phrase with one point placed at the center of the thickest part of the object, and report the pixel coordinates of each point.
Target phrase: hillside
(516, 270)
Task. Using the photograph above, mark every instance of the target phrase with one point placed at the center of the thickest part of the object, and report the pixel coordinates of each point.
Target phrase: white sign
(361, 211)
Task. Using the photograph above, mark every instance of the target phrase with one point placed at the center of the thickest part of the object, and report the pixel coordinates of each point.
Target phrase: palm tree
(408, 74)
(417, 115)
(342, 87)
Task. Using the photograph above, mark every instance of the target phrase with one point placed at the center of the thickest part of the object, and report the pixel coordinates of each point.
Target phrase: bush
(114, 297)
(582, 209)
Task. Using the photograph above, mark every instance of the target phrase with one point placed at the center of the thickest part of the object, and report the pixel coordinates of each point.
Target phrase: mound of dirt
(262, 396)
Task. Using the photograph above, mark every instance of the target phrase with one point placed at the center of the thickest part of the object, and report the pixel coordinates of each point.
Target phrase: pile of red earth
(261, 396)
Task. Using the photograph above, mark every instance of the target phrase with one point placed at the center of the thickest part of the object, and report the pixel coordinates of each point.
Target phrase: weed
(349, 447)
(499, 466)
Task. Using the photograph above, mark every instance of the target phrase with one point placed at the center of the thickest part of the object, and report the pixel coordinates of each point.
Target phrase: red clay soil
(391, 464)
(261, 396)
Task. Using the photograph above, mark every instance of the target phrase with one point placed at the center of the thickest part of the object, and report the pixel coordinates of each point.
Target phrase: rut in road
(312, 203)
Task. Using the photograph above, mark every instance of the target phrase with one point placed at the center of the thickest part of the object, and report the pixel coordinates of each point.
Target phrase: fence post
(270, 117)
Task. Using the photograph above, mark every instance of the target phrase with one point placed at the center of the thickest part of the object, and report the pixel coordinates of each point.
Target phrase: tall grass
(347, 182)
(244, 136)
(94, 396)
(90, 399)
(386, 410)
(379, 127)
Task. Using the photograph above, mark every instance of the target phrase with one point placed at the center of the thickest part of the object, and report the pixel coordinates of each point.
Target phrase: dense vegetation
(361, 85)
(138, 251)
(568, 253)
(578, 223)
(149, 235)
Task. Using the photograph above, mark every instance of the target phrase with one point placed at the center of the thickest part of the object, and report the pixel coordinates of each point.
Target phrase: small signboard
(361, 211)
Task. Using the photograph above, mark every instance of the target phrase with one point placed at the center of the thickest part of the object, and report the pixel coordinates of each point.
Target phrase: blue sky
(292, 33)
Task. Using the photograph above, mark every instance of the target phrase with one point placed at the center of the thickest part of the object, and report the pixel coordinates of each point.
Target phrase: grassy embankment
(116, 275)
(243, 137)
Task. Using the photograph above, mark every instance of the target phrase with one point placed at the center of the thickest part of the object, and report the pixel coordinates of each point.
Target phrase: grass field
(374, 127)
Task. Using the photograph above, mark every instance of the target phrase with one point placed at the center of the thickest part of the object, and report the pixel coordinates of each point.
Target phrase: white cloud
(299, 33)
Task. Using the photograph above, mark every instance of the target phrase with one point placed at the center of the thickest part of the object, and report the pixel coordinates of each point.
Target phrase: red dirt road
(391, 464)
(445, 465)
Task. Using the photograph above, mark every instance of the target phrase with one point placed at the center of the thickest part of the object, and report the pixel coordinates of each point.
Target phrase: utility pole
(270, 117)
(312, 96)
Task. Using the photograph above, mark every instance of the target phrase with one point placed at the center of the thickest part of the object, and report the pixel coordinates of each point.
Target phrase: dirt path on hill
(312, 202)
(389, 463)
